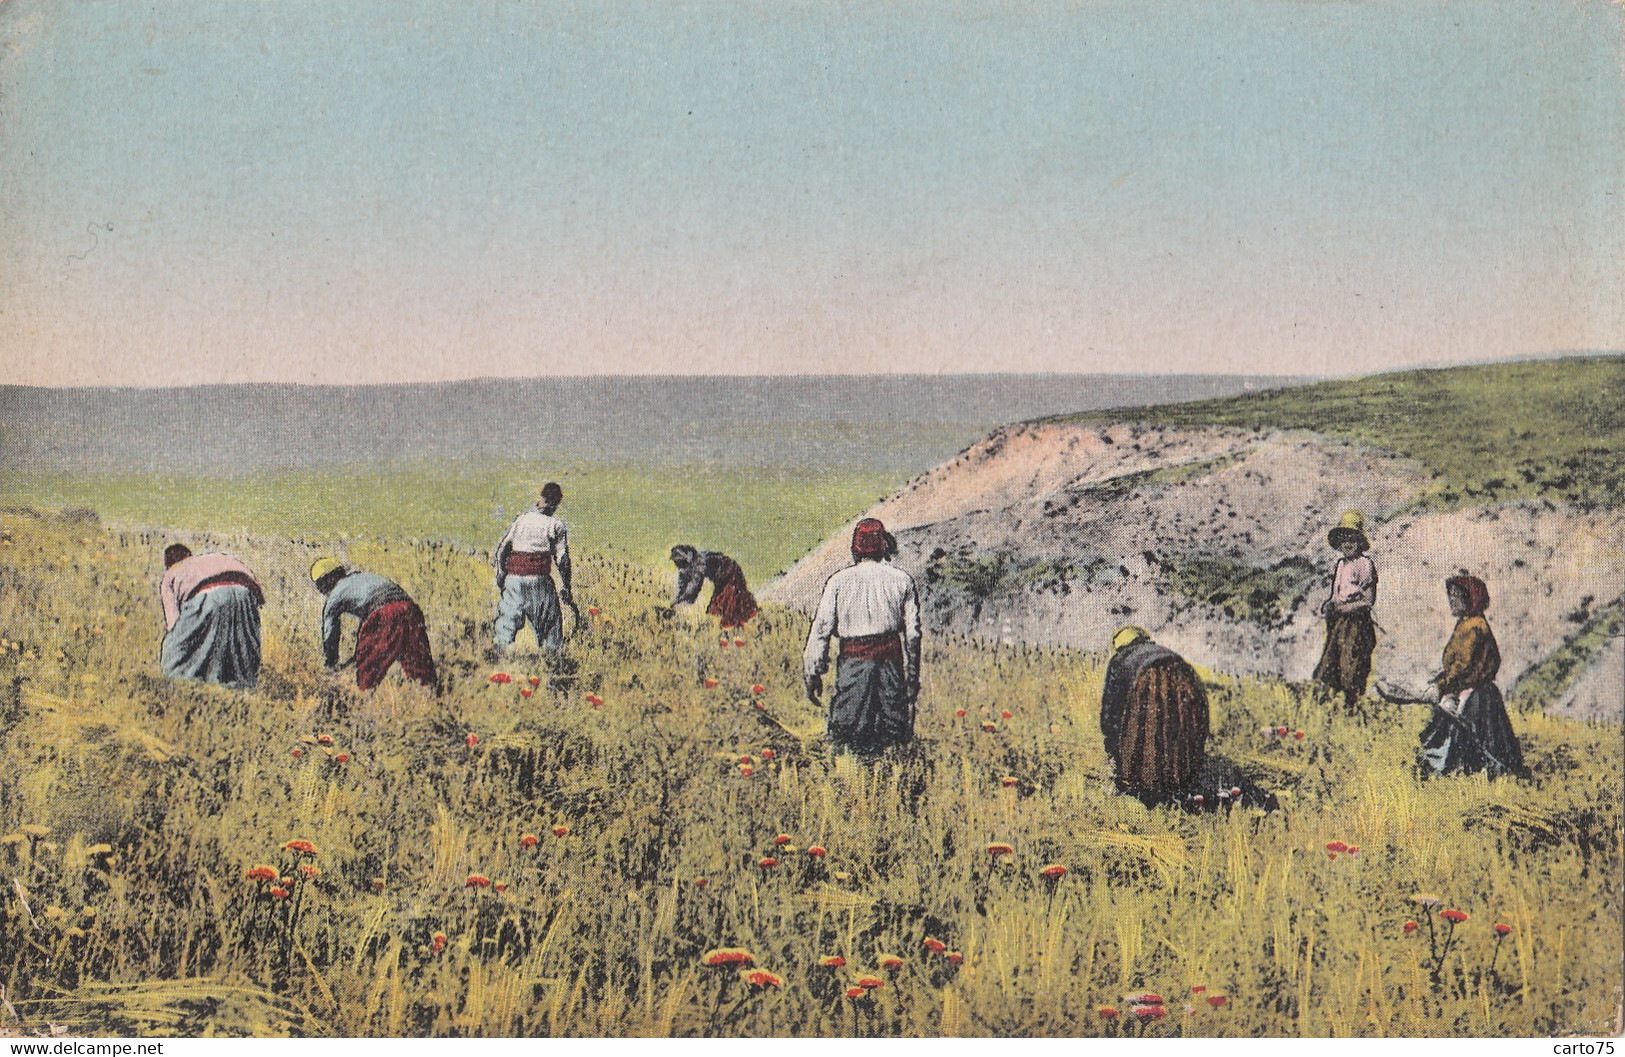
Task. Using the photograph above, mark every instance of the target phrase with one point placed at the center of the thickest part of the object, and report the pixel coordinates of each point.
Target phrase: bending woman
(731, 600)
(1470, 730)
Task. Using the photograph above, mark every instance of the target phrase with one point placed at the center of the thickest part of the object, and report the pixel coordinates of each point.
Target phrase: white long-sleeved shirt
(868, 598)
(532, 533)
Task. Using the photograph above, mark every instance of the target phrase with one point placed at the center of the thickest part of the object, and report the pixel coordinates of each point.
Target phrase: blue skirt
(215, 639)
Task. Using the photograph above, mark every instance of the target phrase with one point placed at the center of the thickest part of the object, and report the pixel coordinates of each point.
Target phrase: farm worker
(1469, 730)
(1351, 635)
(391, 631)
(524, 559)
(875, 609)
(731, 600)
(1153, 716)
(211, 618)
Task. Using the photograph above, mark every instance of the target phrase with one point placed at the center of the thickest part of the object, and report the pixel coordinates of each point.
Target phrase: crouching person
(1154, 718)
(392, 629)
(211, 619)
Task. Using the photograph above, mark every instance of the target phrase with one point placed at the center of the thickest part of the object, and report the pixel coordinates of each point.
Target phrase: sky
(196, 191)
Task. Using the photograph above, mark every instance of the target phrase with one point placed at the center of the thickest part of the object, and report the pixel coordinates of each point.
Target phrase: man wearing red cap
(874, 608)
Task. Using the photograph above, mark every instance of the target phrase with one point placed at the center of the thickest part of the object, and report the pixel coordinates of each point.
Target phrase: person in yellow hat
(1351, 634)
(1153, 717)
(392, 629)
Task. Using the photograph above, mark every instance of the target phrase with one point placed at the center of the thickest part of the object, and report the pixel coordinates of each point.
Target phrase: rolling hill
(1205, 522)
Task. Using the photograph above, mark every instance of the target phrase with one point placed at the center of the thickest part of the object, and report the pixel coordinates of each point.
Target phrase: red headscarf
(869, 539)
(1478, 596)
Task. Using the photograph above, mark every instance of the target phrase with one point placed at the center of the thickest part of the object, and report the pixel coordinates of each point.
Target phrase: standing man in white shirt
(524, 560)
(874, 608)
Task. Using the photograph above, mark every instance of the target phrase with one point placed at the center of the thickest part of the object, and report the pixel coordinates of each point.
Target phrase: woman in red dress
(731, 600)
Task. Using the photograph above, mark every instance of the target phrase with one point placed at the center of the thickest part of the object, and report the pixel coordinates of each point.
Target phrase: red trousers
(394, 632)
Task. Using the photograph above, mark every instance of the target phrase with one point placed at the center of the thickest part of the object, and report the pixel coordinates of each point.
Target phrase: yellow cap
(322, 566)
(1351, 523)
(1128, 635)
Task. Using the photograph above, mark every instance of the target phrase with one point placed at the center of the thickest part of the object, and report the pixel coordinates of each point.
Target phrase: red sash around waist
(528, 563)
(229, 579)
(872, 647)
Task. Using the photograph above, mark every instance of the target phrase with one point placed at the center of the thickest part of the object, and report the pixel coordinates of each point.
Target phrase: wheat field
(567, 857)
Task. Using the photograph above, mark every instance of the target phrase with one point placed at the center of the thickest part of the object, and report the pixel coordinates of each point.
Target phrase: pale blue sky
(206, 191)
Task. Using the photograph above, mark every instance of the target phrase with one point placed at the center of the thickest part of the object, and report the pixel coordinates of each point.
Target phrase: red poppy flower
(1298, 735)
(324, 739)
(438, 942)
(279, 892)
(890, 961)
(1410, 927)
(592, 611)
(935, 946)
(990, 726)
(526, 692)
(342, 757)
(855, 992)
(1215, 1001)
(298, 753)
(285, 882)
(1150, 1012)
(727, 956)
(1053, 872)
(869, 983)
(833, 961)
(999, 849)
(815, 851)
(303, 847)
(1107, 1012)
(1502, 930)
(1331, 855)
(1280, 732)
(499, 886)
(1235, 790)
(723, 641)
(472, 740)
(527, 840)
(1009, 780)
(1337, 845)
(377, 884)
(260, 873)
(756, 688)
(594, 700)
(710, 684)
(746, 760)
(499, 678)
(309, 872)
(1455, 917)
(954, 957)
(534, 681)
(1198, 799)
(782, 839)
(1005, 714)
(1354, 849)
(746, 772)
(767, 754)
(1197, 989)
(700, 882)
(476, 880)
(959, 713)
(762, 978)
(561, 831)
(767, 863)
(759, 706)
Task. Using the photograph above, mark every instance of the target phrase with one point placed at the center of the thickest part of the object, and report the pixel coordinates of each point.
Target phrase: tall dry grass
(133, 914)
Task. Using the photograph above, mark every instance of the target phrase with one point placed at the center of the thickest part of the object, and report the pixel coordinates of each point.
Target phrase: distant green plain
(765, 519)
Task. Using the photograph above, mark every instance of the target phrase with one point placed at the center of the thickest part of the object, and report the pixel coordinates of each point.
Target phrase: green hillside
(1548, 429)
